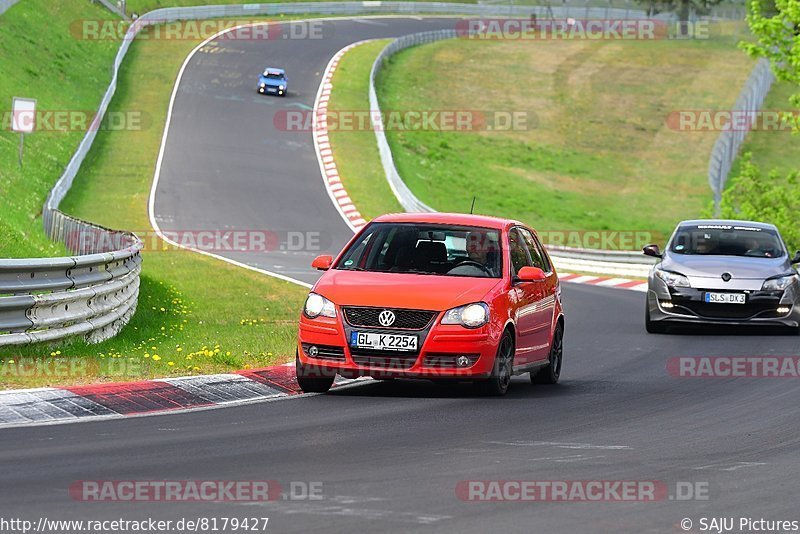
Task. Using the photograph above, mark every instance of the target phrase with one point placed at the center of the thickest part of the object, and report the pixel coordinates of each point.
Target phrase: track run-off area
(395, 456)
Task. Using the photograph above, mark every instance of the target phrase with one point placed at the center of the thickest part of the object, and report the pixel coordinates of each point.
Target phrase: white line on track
(560, 445)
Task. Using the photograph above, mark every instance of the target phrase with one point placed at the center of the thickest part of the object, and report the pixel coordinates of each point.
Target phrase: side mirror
(322, 263)
(652, 250)
(531, 274)
(796, 258)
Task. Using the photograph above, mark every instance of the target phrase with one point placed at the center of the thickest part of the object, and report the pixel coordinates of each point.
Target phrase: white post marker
(23, 119)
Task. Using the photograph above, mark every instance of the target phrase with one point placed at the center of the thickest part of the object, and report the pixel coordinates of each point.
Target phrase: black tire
(552, 372)
(497, 384)
(312, 379)
(652, 327)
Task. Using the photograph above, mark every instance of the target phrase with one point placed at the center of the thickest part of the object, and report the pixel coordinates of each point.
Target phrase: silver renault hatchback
(723, 272)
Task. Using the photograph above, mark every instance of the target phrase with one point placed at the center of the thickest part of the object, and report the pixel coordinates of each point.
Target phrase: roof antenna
(473, 205)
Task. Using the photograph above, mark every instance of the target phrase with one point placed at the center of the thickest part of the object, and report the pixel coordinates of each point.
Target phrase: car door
(524, 297)
(546, 305)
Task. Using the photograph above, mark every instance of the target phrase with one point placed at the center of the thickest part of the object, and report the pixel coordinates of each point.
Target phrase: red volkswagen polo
(434, 296)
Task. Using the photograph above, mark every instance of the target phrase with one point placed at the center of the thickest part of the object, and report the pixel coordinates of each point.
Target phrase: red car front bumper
(445, 351)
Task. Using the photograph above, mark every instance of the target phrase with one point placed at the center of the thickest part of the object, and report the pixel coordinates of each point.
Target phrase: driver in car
(482, 249)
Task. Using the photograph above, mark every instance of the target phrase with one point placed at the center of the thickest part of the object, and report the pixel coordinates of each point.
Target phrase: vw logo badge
(313, 351)
(462, 361)
(726, 277)
(386, 318)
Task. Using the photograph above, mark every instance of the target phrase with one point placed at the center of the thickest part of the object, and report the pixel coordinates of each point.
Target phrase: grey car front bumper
(687, 305)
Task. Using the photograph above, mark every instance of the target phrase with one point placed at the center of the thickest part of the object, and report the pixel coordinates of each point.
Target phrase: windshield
(273, 75)
(725, 240)
(426, 249)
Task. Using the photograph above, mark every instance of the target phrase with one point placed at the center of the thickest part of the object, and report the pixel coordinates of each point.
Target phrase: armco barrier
(727, 146)
(93, 293)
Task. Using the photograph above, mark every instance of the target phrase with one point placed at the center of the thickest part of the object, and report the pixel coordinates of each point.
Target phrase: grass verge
(41, 58)
(357, 158)
(196, 314)
(600, 155)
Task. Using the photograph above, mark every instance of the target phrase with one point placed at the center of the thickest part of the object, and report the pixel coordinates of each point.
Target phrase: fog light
(463, 361)
(666, 304)
(313, 351)
(783, 310)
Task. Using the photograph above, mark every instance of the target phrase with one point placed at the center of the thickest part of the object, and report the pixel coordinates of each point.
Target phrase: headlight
(317, 305)
(779, 284)
(673, 279)
(280, 87)
(469, 316)
(263, 85)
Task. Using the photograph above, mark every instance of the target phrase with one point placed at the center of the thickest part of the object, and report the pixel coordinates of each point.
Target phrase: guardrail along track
(93, 293)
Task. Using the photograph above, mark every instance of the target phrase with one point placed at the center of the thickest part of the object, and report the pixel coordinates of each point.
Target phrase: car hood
(397, 290)
(739, 267)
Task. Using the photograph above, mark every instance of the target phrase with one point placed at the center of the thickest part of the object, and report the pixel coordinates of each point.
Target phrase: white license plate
(395, 342)
(725, 298)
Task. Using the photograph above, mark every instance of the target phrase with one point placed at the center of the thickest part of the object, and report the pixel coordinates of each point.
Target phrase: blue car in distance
(273, 81)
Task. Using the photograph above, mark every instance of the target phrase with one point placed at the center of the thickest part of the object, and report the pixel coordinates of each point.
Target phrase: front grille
(730, 311)
(325, 352)
(404, 319)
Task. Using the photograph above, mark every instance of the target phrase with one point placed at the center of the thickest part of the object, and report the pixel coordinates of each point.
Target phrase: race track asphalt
(390, 455)
(228, 165)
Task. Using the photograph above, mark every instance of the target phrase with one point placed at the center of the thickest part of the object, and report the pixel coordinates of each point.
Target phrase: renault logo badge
(726, 277)
(386, 318)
